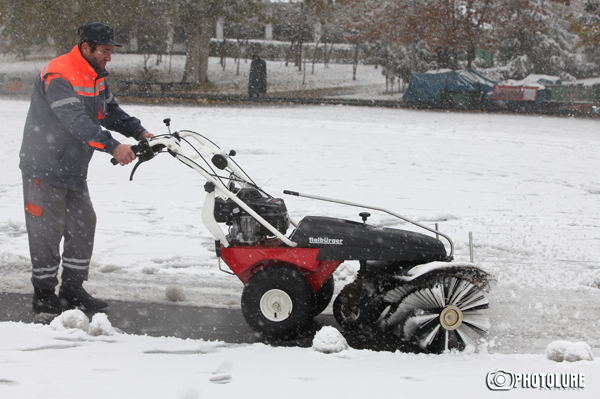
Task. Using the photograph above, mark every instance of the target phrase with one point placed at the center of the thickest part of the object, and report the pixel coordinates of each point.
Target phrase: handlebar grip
(135, 148)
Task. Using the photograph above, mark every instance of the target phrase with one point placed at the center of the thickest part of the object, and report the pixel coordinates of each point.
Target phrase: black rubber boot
(46, 301)
(77, 296)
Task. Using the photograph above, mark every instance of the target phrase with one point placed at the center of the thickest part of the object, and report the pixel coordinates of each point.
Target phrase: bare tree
(199, 18)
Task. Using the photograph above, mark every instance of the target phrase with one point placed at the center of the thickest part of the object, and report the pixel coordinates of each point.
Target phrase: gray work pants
(51, 214)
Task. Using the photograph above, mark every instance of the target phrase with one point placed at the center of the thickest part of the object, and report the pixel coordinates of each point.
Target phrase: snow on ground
(279, 76)
(526, 186)
(336, 78)
(38, 361)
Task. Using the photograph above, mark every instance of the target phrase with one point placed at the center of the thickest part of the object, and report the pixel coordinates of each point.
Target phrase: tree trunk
(355, 61)
(315, 55)
(470, 56)
(198, 48)
(299, 54)
(223, 53)
(304, 75)
(289, 53)
(325, 61)
(329, 53)
(454, 58)
(191, 73)
(207, 28)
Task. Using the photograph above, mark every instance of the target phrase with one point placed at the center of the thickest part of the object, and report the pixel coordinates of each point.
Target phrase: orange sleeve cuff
(34, 209)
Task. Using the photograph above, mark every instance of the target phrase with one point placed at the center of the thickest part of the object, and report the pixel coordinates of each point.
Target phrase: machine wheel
(355, 307)
(445, 313)
(278, 301)
(324, 295)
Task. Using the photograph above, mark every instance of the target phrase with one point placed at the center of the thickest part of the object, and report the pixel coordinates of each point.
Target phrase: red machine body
(247, 260)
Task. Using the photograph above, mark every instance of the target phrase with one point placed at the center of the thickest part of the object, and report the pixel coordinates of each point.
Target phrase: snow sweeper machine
(407, 287)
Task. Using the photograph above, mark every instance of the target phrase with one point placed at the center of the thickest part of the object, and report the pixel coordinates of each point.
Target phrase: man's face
(99, 58)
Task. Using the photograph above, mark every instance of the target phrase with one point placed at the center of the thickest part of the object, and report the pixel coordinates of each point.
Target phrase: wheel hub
(276, 305)
(451, 318)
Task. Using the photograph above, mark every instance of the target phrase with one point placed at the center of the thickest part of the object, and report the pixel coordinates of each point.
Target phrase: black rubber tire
(354, 308)
(324, 295)
(286, 282)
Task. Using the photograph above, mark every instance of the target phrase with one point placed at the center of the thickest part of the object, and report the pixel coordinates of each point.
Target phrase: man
(71, 106)
(257, 83)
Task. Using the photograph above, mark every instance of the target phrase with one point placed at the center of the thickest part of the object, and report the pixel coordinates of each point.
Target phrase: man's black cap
(97, 33)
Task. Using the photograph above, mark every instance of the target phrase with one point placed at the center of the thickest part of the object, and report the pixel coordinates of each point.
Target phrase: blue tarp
(426, 87)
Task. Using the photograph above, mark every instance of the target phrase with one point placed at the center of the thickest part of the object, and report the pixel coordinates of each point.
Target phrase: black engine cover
(341, 239)
(273, 210)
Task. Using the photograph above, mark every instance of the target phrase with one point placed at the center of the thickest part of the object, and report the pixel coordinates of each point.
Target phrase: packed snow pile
(569, 351)
(100, 325)
(76, 319)
(71, 319)
(175, 293)
(329, 340)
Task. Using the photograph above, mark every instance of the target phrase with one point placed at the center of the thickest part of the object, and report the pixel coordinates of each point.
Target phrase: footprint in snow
(222, 375)
(221, 378)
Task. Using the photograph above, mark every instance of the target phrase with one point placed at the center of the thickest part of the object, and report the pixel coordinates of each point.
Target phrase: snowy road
(165, 320)
(527, 187)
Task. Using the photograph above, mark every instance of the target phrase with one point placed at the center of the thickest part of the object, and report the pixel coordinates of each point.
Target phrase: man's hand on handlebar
(146, 135)
(123, 154)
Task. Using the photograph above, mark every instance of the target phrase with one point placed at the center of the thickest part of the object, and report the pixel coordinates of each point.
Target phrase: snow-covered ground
(282, 79)
(527, 187)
